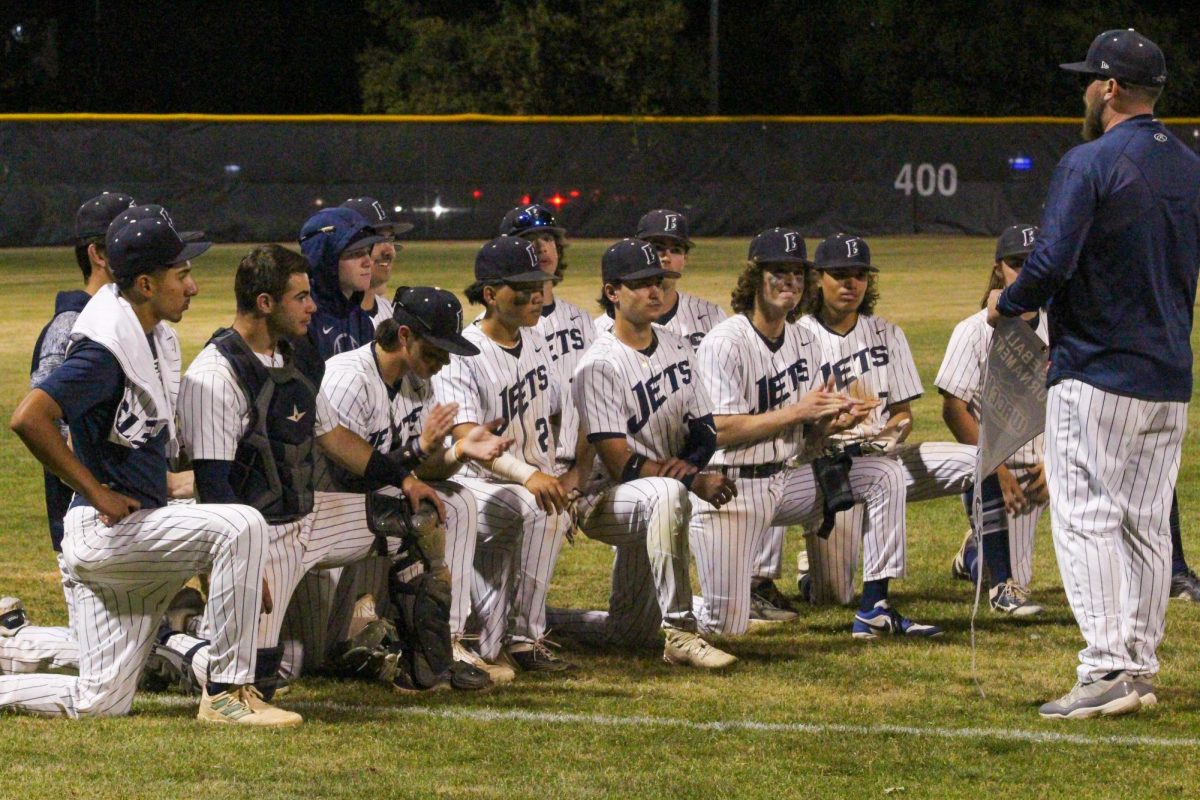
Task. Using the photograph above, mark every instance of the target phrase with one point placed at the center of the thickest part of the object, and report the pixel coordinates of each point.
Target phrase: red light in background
(524, 199)
(478, 193)
(557, 200)
(574, 193)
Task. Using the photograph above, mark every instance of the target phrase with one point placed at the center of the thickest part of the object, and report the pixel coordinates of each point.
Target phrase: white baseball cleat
(686, 649)
(12, 616)
(243, 705)
(499, 673)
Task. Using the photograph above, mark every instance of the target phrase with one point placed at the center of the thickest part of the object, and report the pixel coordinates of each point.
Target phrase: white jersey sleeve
(212, 408)
(961, 372)
(905, 380)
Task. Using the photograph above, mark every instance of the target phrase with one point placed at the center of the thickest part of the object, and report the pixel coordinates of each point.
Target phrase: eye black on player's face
(519, 304)
(782, 286)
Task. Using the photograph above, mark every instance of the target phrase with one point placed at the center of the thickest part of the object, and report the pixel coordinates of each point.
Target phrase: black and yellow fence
(258, 178)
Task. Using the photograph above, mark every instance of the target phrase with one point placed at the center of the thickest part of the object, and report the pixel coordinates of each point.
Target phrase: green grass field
(808, 712)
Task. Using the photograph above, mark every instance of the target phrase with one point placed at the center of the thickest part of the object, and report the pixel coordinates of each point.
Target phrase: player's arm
(814, 406)
(354, 454)
(585, 454)
(549, 494)
(957, 416)
(479, 444)
(36, 420)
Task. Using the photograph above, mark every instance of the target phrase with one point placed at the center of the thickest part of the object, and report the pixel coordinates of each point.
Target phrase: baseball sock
(1178, 562)
(995, 532)
(873, 592)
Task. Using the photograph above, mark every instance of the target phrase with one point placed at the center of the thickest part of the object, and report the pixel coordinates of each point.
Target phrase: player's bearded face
(1093, 114)
(171, 291)
(843, 290)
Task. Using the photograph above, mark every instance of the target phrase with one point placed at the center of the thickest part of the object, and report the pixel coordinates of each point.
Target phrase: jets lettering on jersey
(843, 370)
(774, 390)
(564, 342)
(516, 398)
(650, 395)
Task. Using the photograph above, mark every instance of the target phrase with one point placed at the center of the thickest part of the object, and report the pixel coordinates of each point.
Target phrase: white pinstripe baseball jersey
(872, 360)
(383, 310)
(213, 413)
(516, 387)
(746, 374)
(691, 318)
(645, 395)
(569, 332)
(961, 373)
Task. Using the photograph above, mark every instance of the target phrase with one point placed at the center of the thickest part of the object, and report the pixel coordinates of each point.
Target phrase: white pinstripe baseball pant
(370, 574)
(646, 522)
(727, 540)
(126, 576)
(516, 548)
(931, 469)
(1111, 465)
(37, 648)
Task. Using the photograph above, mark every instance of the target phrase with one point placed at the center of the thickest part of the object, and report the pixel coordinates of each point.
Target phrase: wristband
(633, 468)
(511, 468)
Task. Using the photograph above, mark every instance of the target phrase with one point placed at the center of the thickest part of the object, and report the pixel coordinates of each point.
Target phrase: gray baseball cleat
(1145, 691)
(1013, 600)
(1185, 586)
(1107, 697)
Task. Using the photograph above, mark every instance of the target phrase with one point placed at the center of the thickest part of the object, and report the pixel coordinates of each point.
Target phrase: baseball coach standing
(1116, 269)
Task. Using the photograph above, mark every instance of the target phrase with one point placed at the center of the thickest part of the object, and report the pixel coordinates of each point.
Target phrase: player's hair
(265, 270)
(605, 303)
(387, 334)
(995, 281)
(474, 293)
(749, 285)
(814, 299)
(82, 258)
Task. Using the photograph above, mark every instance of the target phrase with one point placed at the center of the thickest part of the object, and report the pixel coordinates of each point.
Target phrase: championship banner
(1013, 404)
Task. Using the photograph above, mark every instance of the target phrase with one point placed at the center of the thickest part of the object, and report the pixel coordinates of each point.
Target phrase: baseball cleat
(966, 555)
(883, 620)
(768, 604)
(1184, 586)
(801, 570)
(499, 673)
(1009, 598)
(537, 657)
(1145, 691)
(242, 705)
(186, 605)
(1106, 697)
(12, 616)
(363, 615)
(166, 670)
(686, 649)
(464, 677)
(804, 584)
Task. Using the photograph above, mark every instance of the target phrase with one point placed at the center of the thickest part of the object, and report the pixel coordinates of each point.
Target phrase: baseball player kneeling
(763, 376)
(650, 421)
(125, 549)
(867, 357)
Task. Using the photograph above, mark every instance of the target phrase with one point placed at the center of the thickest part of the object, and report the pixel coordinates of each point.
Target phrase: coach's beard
(1093, 122)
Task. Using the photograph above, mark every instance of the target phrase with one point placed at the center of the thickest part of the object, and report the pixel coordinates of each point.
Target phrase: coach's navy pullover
(1116, 263)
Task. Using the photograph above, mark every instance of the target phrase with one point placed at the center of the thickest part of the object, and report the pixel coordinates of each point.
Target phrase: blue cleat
(883, 620)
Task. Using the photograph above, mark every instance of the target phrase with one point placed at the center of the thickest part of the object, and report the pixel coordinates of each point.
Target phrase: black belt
(752, 471)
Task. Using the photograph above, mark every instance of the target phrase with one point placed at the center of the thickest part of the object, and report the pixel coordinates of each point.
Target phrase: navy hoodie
(339, 325)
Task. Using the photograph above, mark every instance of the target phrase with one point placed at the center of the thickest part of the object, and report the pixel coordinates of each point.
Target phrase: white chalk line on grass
(718, 726)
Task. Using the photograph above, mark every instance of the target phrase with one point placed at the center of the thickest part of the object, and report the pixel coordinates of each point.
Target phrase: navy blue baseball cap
(534, 219)
(143, 239)
(631, 260)
(778, 245)
(346, 226)
(843, 251)
(1016, 240)
(662, 223)
(1125, 55)
(434, 313)
(94, 216)
(376, 216)
(509, 259)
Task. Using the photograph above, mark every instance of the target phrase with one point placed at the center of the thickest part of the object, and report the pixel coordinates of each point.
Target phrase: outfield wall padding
(255, 180)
